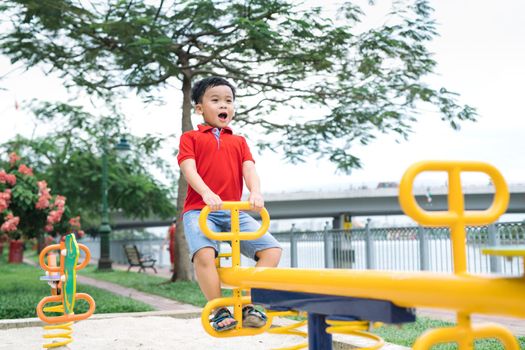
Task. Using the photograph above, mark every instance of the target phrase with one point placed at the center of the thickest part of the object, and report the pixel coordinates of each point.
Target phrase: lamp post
(104, 263)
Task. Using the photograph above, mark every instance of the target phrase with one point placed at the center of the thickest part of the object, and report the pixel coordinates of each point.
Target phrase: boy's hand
(212, 200)
(256, 201)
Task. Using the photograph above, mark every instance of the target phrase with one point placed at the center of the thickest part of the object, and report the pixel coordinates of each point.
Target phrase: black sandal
(253, 318)
(221, 315)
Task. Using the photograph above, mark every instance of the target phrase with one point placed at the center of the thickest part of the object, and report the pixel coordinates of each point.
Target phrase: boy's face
(217, 106)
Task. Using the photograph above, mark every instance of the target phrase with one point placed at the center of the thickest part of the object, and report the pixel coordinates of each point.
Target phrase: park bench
(136, 259)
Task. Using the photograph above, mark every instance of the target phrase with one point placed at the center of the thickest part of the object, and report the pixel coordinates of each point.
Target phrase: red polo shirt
(219, 162)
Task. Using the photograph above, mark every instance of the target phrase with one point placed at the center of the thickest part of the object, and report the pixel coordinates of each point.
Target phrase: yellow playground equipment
(63, 282)
(356, 293)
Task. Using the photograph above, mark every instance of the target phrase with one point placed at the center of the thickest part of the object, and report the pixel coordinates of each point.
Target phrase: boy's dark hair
(201, 86)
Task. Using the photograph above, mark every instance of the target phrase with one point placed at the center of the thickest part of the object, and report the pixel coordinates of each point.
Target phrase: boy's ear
(198, 108)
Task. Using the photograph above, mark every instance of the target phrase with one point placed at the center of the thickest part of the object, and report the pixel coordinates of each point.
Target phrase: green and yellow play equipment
(394, 294)
(63, 282)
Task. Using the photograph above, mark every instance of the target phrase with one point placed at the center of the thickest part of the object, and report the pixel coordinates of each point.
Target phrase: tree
(356, 81)
(69, 159)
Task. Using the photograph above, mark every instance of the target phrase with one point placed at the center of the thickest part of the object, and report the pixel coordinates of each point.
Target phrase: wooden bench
(136, 259)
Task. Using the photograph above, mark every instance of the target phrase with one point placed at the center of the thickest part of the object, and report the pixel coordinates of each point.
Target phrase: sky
(480, 54)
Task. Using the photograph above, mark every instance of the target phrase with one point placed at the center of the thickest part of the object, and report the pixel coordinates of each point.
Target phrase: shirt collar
(206, 128)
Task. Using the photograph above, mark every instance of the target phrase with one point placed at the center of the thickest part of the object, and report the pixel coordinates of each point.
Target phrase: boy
(214, 161)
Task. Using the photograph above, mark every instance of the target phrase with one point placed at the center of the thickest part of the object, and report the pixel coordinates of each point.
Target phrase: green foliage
(21, 291)
(69, 159)
(345, 81)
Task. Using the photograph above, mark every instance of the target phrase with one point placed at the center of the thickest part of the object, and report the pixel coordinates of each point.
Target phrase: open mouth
(223, 116)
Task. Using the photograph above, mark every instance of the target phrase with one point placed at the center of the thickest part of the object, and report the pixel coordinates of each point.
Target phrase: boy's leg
(202, 253)
(269, 257)
(207, 274)
(210, 283)
(266, 251)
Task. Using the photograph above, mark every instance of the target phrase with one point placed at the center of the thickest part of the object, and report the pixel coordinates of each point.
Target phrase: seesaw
(325, 293)
(63, 282)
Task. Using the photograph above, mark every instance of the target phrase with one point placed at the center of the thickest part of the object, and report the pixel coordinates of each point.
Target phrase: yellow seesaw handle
(235, 234)
(456, 217)
(456, 211)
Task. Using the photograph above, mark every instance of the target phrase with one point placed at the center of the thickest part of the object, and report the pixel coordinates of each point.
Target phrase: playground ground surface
(152, 331)
(175, 325)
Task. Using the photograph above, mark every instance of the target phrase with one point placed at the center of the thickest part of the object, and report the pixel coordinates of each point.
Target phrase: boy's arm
(189, 169)
(254, 185)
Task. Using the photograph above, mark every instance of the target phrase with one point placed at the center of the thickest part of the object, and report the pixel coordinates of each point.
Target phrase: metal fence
(400, 249)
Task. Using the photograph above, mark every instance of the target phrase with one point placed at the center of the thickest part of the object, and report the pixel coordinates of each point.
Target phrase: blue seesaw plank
(321, 307)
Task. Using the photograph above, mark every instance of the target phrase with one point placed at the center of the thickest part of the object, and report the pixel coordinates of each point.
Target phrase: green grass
(183, 291)
(21, 290)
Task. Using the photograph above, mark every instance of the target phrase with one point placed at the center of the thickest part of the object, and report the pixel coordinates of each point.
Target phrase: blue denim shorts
(220, 221)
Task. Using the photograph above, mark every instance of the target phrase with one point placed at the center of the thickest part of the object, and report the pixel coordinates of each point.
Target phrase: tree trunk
(41, 244)
(183, 270)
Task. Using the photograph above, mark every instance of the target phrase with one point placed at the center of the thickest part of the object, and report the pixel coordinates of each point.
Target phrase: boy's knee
(270, 256)
(204, 257)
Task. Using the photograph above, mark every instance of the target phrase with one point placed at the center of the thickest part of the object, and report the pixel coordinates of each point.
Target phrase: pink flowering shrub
(27, 207)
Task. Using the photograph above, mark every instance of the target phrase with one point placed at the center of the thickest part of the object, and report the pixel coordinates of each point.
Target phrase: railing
(400, 249)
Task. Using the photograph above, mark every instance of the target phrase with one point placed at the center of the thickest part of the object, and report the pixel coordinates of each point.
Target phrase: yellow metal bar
(235, 240)
(466, 293)
(465, 336)
(228, 236)
(455, 217)
(446, 218)
(506, 250)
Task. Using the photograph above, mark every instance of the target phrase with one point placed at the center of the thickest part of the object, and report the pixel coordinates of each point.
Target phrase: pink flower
(60, 201)
(55, 216)
(80, 234)
(10, 223)
(42, 185)
(44, 196)
(75, 222)
(9, 178)
(48, 228)
(25, 170)
(5, 199)
(13, 158)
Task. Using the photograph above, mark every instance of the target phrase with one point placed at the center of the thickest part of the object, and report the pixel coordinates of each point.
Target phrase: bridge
(358, 202)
